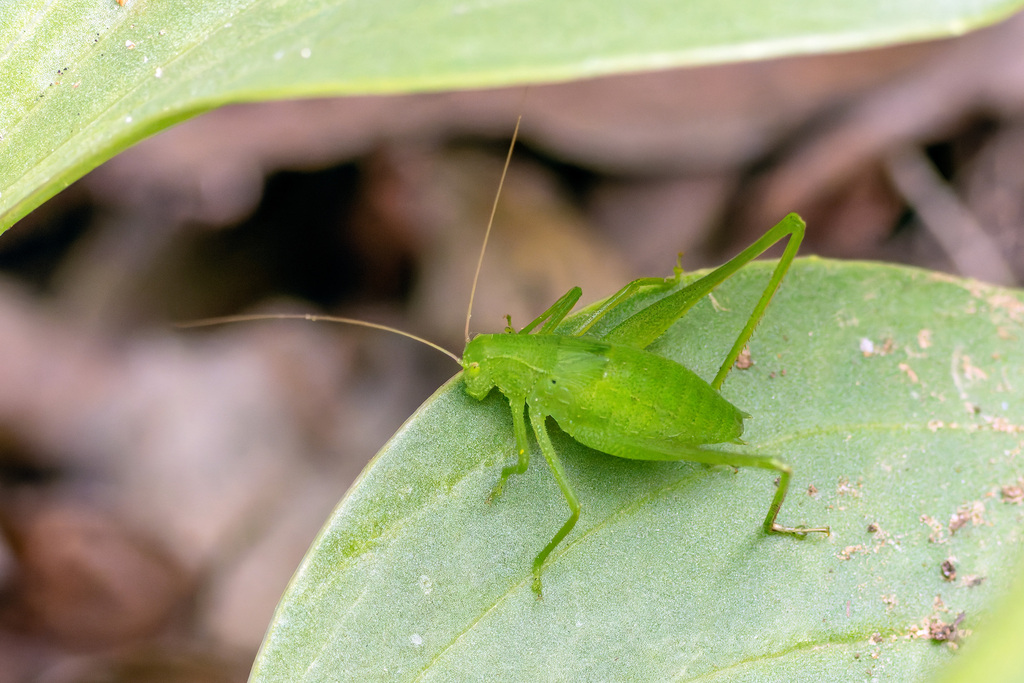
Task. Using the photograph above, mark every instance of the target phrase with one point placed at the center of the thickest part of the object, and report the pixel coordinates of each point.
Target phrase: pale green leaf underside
(84, 79)
(668, 575)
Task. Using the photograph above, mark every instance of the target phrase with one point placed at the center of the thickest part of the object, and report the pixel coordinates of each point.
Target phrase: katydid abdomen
(614, 398)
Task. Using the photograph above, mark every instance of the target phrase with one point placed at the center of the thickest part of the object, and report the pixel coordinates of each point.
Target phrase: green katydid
(610, 394)
(607, 392)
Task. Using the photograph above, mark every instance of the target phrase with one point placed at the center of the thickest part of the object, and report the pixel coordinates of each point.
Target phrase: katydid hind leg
(537, 419)
(646, 325)
(770, 525)
(793, 226)
(735, 459)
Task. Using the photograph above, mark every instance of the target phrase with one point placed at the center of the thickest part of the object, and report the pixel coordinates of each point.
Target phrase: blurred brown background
(159, 486)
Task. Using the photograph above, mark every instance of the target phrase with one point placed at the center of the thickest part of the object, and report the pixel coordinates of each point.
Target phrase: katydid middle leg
(538, 420)
(558, 311)
(555, 314)
(588, 319)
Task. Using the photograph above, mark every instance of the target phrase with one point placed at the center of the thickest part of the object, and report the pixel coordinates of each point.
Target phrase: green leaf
(84, 79)
(893, 392)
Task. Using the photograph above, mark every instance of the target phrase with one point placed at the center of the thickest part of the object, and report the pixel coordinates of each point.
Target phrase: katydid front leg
(551, 317)
(518, 406)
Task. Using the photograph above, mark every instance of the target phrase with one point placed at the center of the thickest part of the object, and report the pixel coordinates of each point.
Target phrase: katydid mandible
(607, 392)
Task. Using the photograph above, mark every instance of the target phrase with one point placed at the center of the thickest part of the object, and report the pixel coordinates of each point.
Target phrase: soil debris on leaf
(970, 512)
(940, 631)
(1013, 493)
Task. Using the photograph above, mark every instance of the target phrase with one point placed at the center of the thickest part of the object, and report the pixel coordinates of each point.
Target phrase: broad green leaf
(894, 393)
(84, 79)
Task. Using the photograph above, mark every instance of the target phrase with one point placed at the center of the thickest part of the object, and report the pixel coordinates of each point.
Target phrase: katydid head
(477, 378)
(506, 361)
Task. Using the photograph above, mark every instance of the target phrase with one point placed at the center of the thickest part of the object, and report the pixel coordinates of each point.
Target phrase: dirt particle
(844, 487)
(909, 372)
(971, 581)
(972, 372)
(847, 552)
(937, 630)
(938, 531)
(1001, 424)
(881, 537)
(970, 512)
(1013, 493)
(1009, 303)
(812, 491)
(890, 601)
(941, 632)
(869, 348)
